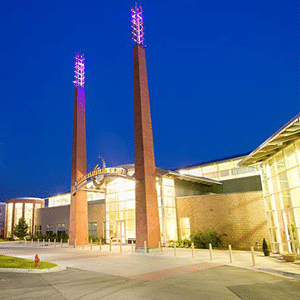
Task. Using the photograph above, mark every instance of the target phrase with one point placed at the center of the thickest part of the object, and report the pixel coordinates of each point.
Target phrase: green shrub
(202, 239)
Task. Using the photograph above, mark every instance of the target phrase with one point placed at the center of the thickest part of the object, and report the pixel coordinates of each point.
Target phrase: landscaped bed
(21, 263)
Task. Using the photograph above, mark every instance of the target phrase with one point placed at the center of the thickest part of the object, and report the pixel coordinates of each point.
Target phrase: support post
(48, 242)
(110, 245)
(100, 245)
(38, 243)
(210, 252)
(230, 253)
(145, 246)
(193, 252)
(54, 243)
(61, 244)
(252, 255)
(43, 242)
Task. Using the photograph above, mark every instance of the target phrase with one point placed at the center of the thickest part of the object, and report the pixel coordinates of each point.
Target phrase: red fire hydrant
(36, 261)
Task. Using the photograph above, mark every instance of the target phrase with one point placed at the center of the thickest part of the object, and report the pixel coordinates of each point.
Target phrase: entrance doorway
(121, 231)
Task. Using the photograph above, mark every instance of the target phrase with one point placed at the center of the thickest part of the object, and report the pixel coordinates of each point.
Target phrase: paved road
(94, 274)
(200, 281)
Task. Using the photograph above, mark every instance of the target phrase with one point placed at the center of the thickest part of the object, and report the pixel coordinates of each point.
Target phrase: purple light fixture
(79, 70)
(137, 23)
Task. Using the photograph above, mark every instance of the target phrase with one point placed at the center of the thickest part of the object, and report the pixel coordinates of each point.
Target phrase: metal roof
(279, 140)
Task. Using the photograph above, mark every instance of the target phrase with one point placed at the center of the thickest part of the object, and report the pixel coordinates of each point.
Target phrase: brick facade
(239, 217)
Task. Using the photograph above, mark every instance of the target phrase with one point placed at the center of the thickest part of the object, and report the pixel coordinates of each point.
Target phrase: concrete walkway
(128, 263)
(95, 274)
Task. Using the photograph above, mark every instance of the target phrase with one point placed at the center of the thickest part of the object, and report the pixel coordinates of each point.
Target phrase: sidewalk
(128, 263)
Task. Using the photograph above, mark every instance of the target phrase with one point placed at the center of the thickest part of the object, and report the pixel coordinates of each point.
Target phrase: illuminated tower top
(137, 23)
(79, 70)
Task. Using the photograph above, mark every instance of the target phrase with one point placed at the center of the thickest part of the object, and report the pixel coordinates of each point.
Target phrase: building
(2, 218)
(279, 161)
(187, 202)
(21, 208)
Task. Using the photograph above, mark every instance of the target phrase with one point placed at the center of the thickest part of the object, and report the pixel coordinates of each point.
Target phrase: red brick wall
(239, 217)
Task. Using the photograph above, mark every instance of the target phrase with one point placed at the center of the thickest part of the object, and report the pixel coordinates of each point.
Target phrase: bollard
(145, 246)
(82, 246)
(175, 250)
(36, 261)
(132, 248)
(159, 247)
(253, 257)
(49, 242)
(54, 243)
(91, 245)
(193, 253)
(110, 245)
(75, 243)
(230, 253)
(120, 245)
(25, 242)
(100, 242)
(31, 243)
(210, 252)
(61, 243)
(38, 243)
(43, 242)
(68, 241)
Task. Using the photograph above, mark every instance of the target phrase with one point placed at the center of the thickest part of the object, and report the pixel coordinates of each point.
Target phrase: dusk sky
(223, 76)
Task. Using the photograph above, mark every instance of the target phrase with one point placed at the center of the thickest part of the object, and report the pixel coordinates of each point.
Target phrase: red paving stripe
(158, 275)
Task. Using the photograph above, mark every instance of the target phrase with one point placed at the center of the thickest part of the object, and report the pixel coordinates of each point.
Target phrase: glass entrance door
(121, 231)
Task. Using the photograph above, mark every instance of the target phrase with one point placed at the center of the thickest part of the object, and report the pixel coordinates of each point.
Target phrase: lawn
(16, 262)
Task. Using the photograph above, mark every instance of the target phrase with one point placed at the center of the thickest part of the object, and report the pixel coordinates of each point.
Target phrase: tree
(21, 229)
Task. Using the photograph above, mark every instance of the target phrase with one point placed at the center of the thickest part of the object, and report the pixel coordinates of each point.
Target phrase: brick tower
(78, 228)
(147, 220)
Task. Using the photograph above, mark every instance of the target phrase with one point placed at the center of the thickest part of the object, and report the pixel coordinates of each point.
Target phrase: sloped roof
(279, 140)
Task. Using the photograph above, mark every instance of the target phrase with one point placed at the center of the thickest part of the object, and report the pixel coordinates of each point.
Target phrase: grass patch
(21, 263)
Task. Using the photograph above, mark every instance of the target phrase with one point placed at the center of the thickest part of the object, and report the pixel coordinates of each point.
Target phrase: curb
(35, 271)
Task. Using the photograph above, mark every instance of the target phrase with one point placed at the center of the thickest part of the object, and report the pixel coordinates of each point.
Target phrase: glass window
(290, 158)
(9, 218)
(28, 215)
(286, 199)
(209, 169)
(18, 212)
(185, 231)
(293, 177)
(226, 166)
(295, 195)
(279, 162)
(283, 181)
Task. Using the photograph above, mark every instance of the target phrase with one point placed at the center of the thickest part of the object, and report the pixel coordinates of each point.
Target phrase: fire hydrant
(36, 261)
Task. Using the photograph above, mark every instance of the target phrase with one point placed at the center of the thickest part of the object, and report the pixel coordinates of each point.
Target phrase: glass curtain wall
(120, 210)
(18, 212)
(28, 215)
(281, 188)
(9, 218)
(222, 170)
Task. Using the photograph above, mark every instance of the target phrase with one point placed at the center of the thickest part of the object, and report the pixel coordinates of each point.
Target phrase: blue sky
(223, 76)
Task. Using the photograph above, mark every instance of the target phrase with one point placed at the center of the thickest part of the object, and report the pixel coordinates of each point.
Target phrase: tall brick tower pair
(147, 220)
